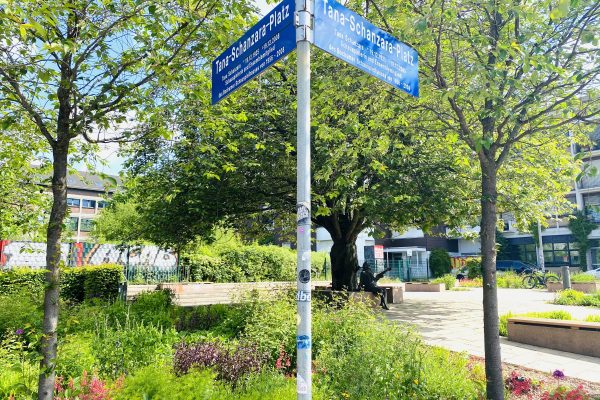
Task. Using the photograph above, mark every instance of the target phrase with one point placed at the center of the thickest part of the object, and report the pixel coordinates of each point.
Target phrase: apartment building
(86, 197)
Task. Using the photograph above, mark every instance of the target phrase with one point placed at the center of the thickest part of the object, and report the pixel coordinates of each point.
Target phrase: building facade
(86, 197)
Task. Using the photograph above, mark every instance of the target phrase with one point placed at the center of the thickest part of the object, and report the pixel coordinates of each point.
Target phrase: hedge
(245, 263)
(77, 284)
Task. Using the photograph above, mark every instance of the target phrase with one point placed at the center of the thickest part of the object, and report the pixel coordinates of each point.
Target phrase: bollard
(566, 276)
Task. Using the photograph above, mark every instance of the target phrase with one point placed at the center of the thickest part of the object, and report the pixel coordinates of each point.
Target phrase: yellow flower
(345, 395)
(416, 381)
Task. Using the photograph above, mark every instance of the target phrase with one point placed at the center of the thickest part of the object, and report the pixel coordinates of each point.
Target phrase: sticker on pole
(301, 385)
(272, 38)
(304, 276)
(303, 342)
(303, 296)
(302, 213)
(350, 37)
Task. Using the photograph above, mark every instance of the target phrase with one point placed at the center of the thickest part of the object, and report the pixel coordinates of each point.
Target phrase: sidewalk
(454, 320)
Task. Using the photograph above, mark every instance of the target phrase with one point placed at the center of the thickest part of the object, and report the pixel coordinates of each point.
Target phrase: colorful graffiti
(29, 254)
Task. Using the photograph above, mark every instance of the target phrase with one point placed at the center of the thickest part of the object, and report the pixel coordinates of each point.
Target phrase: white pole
(540, 246)
(304, 13)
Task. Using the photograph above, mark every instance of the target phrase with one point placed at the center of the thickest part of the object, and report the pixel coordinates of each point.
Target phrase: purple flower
(558, 374)
(19, 331)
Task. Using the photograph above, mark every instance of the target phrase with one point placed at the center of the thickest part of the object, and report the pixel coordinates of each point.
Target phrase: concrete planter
(586, 287)
(424, 287)
(572, 336)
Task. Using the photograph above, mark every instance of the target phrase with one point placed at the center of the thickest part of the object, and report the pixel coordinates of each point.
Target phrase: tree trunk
(344, 264)
(51, 302)
(493, 361)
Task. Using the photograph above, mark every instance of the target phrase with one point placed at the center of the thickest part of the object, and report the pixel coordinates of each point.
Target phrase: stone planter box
(586, 287)
(572, 336)
(424, 287)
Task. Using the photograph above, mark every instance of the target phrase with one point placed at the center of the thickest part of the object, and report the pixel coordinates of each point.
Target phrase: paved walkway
(454, 320)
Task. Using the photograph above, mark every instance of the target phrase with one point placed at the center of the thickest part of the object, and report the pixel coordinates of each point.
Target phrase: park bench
(573, 336)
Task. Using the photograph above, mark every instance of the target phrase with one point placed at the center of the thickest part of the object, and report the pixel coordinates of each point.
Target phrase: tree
(75, 69)
(22, 197)
(439, 262)
(238, 158)
(507, 75)
(119, 223)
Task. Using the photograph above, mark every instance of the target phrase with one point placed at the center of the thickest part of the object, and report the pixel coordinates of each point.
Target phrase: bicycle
(537, 278)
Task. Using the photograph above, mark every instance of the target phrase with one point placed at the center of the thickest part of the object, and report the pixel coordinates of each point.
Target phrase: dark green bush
(77, 284)
(241, 264)
(439, 262)
(474, 268)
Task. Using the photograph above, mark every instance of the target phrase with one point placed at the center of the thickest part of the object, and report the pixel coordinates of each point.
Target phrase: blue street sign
(348, 36)
(269, 40)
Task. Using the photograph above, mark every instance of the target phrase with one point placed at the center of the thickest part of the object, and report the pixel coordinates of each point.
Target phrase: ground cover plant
(544, 314)
(570, 297)
(152, 349)
(582, 277)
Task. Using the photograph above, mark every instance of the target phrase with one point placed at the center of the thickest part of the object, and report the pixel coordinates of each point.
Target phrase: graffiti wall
(29, 254)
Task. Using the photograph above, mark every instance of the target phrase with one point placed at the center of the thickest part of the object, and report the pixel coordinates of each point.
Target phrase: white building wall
(324, 242)
(469, 246)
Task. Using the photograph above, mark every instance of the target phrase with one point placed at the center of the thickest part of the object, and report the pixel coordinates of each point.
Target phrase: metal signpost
(346, 35)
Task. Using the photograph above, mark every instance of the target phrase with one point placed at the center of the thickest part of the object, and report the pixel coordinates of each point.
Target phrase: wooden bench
(573, 336)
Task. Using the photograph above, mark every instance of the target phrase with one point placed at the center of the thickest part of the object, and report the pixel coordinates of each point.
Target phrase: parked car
(514, 265)
(594, 272)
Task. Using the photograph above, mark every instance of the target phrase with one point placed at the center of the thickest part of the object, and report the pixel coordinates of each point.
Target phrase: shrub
(572, 297)
(475, 282)
(559, 314)
(241, 264)
(123, 349)
(77, 284)
(18, 279)
(581, 277)
(154, 308)
(202, 317)
(474, 268)
(75, 355)
(87, 387)
(20, 309)
(448, 280)
(230, 365)
(510, 279)
(564, 393)
(439, 262)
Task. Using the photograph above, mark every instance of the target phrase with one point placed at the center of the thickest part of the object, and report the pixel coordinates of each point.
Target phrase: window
(73, 202)
(87, 225)
(72, 223)
(89, 203)
(102, 204)
(530, 247)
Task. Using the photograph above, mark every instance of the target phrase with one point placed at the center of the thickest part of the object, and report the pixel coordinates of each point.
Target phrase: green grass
(563, 315)
(572, 297)
(581, 278)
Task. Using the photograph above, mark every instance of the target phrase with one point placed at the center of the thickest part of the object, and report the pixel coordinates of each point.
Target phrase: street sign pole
(304, 38)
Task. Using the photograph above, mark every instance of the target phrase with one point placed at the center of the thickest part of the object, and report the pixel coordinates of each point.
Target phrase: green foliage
(448, 280)
(593, 318)
(509, 279)
(125, 348)
(153, 384)
(582, 277)
(439, 262)
(119, 223)
(570, 297)
(239, 263)
(505, 251)
(77, 284)
(474, 268)
(473, 283)
(19, 310)
(581, 227)
(559, 314)
(75, 355)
